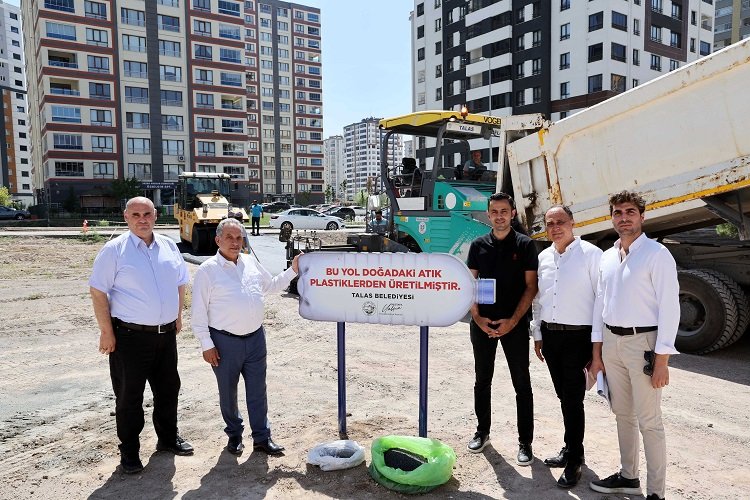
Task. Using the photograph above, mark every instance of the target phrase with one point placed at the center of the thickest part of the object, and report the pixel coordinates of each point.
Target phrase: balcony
(61, 91)
(140, 125)
(134, 48)
(61, 5)
(132, 21)
(101, 97)
(204, 129)
(94, 69)
(139, 151)
(175, 127)
(171, 102)
(170, 3)
(170, 53)
(170, 77)
(169, 27)
(136, 74)
(136, 100)
(204, 105)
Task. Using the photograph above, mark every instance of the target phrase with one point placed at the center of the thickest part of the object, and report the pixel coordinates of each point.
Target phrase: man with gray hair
(138, 287)
(227, 318)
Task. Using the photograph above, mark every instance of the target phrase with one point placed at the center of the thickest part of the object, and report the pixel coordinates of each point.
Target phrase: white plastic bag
(337, 455)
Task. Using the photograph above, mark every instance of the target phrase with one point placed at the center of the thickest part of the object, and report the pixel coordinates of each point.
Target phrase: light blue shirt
(141, 281)
(257, 210)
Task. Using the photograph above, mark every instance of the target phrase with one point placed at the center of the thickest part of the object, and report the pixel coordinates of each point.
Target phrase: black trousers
(516, 348)
(140, 357)
(567, 353)
(255, 225)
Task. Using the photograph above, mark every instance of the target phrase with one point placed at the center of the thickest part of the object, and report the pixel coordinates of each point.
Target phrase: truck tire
(198, 240)
(743, 306)
(708, 312)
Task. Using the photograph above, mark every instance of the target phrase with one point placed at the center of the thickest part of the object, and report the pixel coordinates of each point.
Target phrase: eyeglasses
(650, 357)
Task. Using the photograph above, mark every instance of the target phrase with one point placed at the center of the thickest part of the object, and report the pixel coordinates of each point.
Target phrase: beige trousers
(636, 405)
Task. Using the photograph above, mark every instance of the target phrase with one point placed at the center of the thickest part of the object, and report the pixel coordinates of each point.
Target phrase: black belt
(631, 330)
(165, 328)
(567, 328)
(230, 334)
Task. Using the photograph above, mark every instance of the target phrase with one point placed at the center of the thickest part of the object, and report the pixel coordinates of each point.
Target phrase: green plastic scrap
(437, 470)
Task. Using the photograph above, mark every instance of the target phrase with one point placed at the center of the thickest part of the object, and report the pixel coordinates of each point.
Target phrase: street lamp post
(489, 82)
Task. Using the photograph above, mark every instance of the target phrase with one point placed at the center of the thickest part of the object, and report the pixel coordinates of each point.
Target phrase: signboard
(388, 288)
(464, 128)
(158, 185)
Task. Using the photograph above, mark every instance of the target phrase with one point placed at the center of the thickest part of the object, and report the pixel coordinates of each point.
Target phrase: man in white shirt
(137, 288)
(638, 305)
(562, 310)
(227, 319)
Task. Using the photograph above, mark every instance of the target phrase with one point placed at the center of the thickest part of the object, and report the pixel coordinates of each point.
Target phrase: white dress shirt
(567, 286)
(141, 280)
(229, 296)
(639, 290)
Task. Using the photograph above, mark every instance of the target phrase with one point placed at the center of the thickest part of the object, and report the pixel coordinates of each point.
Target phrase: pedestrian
(636, 316)
(256, 212)
(137, 288)
(227, 319)
(510, 258)
(379, 224)
(563, 311)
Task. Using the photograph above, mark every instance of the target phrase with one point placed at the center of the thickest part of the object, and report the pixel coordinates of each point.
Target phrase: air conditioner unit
(180, 158)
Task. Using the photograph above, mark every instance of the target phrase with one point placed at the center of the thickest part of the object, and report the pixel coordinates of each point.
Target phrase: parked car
(358, 211)
(276, 206)
(12, 213)
(346, 213)
(304, 218)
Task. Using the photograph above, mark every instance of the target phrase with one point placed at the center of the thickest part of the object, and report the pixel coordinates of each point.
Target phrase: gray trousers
(637, 406)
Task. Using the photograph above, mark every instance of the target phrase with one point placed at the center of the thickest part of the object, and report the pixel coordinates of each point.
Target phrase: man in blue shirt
(256, 212)
(138, 288)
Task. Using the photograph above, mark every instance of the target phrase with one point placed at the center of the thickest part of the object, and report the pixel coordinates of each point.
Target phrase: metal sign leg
(341, 341)
(423, 351)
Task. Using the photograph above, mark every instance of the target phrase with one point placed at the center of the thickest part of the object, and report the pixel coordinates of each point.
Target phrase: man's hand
(295, 263)
(107, 342)
(486, 325)
(538, 350)
(211, 356)
(660, 377)
(505, 326)
(596, 366)
(178, 324)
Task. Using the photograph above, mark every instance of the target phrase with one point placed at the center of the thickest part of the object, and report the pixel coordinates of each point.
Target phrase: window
(137, 95)
(564, 90)
(67, 141)
(520, 42)
(536, 38)
(673, 65)
(63, 5)
(618, 52)
(95, 10)
(97, 64)
(565, 31)
(595, 84)
(206, 148)
(134, 43)
(636, 57)
(656, 6)
(595, 52)
(438, 24)
(235, 172)
(565, 60)
(229, 8)
(420, 31)
(61, 31)
(169, 48)
(692, 45)
(99, 91)
(141, 171)
(229, 31)
(232, 149)
(675, 39)
(636, 26)
(202, 28)
(420, 54)
(521, 98)
(139, 146)
(229, 55)
(203, 52)
(97, 37)
(438, 47)
(171, 97)
(705, 48)
(172, 147)
(536, 66)
(203, 124)
(204, 100)
(438, 71)
(635, 83)
(204, 5)
(618, 83)
(596, 21)
(172, 122)
(231, 79)
(420, 9)
(655, 62)
(66, 115)
(101, 117)
(439, 94)
(137, 120)
(170, 73)
(68, 169)
(133, 17)
(168, 23)
(135, 69)
(102, 144)
(104, 170)
(564, 4)
(172, 171)
(204, 76)
(232, 126)
(619, 21)
(536, 94)
(656, 33)
(520, 17)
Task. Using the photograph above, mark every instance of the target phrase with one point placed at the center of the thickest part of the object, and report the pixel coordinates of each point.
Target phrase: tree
(124, 189)
(342, 186)
(71, 203)
(329, 193)
(5, 199)
(304, 198)
(361, 198)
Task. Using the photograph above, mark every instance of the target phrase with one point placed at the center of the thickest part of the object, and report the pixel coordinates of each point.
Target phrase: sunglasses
(650, 357)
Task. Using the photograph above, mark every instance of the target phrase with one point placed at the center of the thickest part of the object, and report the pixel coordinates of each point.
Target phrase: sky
(366, 60)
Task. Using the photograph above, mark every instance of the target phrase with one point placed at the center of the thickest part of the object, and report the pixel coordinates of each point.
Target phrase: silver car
(305, 218)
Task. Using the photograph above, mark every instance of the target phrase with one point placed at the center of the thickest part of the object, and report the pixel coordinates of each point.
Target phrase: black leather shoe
(179, 447)
(268, 447)
(131, 465)
(654, 496)
(235, 446)
(525, 455)
(570, 476)
(561, 460)
(478, 442)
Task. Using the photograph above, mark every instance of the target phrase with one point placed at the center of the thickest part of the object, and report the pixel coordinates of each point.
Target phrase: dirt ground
(57, 430)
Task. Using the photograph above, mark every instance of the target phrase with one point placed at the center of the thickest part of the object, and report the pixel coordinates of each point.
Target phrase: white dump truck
(683, 142)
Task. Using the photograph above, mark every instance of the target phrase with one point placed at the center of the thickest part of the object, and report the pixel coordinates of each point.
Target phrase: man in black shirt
(511, 259)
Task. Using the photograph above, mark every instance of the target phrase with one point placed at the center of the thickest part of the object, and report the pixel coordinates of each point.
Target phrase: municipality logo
(368, 307)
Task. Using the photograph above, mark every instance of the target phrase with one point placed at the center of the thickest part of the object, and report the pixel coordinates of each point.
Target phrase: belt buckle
(159, 330)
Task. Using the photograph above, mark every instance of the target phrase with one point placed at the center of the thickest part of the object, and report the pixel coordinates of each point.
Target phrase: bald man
(137, 288)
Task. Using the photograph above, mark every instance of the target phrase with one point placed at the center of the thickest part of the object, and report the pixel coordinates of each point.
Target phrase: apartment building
(506, 57)
(334, 164)
(149, 89)
(15, 156)
(732, 22)
(362, 146)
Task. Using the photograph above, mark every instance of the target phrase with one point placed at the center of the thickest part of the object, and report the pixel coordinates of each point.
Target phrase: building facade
(333, 165)
(556, 57)
(732, 22)
(16, 169)
(152, 89)
(362, 146)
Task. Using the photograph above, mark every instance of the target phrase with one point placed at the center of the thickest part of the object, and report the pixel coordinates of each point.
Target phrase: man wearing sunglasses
(636, 311)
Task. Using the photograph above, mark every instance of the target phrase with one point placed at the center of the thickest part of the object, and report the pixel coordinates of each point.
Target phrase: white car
(358, 211)
(305, 218)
